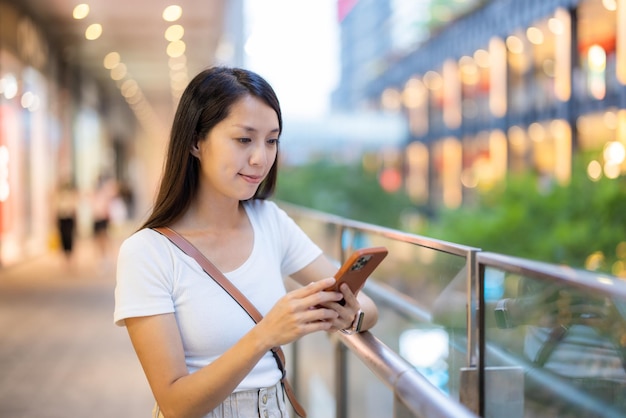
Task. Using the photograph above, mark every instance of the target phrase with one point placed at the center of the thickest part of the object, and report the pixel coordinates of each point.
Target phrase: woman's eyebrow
(251, 129)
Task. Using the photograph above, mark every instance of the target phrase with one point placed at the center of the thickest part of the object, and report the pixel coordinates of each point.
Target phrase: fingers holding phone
(353, 307)
(349, 307)
(346, 308)
(301, 312)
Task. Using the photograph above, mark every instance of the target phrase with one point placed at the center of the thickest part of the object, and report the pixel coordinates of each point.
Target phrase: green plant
(548, 222)
(341, 189)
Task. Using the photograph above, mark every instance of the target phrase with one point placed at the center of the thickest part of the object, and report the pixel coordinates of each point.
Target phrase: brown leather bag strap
(209, 268)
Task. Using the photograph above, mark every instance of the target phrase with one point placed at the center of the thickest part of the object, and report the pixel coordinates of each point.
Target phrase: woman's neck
(214, 215)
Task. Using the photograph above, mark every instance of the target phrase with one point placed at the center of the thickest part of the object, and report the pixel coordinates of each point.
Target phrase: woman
(201, 353)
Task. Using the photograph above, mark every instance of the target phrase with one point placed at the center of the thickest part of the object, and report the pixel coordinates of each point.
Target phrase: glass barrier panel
(553, 350)
(368, 397)
(432, 333)
(315, 363)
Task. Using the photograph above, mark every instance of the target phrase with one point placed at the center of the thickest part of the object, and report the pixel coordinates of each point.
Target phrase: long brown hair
(206, 101)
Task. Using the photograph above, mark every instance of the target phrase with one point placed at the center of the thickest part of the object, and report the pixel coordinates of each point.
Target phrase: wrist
(260, 339)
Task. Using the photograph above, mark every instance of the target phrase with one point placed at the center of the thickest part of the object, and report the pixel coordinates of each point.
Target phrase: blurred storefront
(51, 130)
(503, 86)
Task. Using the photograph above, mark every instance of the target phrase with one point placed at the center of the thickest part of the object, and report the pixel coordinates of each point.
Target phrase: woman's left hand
(322, 267)
(347, 312)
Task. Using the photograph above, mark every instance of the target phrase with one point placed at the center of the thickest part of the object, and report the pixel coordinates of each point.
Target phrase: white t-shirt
(155, 277)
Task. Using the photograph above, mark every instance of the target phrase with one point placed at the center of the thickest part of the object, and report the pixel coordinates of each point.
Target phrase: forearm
(196, 394)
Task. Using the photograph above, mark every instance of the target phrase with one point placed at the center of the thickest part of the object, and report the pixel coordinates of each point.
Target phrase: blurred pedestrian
(66, 204)
(128, 197)
(102, 199)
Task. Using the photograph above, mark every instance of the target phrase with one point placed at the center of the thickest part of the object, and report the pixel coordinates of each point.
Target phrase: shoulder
(147, 252)
(143, 243)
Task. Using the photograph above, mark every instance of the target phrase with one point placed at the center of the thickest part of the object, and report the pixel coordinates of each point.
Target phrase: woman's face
(237, 154)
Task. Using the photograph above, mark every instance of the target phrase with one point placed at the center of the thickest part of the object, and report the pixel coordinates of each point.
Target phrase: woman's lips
(252, 179)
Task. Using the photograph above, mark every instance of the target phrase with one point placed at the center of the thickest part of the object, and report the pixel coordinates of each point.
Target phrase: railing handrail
(413, 390)
(416, 392)
(600, 282)
(410, 238)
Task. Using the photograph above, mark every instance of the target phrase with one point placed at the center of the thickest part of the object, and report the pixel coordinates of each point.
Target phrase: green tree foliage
(527, 217)
(534, 219)
(341, 189)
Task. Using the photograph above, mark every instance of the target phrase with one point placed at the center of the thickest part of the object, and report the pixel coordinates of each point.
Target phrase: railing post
(473, 296)
(481, 338)
(468, 385)
(341, 380)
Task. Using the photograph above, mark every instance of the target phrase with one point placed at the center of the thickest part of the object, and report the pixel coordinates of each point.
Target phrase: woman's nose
(259, 155)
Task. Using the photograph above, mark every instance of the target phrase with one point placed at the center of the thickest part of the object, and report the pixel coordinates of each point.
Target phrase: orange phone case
(358, 268)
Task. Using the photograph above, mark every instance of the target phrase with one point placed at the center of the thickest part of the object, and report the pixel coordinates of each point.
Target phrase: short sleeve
(144, 280)
(298, 250)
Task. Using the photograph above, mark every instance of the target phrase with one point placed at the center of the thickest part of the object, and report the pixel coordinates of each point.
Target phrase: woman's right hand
(299, 313)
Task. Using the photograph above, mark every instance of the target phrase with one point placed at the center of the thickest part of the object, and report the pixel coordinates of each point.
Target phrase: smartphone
(358, 268)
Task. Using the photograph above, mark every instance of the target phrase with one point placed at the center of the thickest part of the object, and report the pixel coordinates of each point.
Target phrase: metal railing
(412, 394)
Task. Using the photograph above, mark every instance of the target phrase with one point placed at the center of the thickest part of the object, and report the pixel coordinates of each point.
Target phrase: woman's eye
(244, 140)
(273, 141)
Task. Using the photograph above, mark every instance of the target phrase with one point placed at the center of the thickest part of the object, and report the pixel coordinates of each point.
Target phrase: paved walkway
(60, 353)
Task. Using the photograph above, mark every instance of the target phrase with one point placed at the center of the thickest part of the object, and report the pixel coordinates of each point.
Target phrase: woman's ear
(195, 149)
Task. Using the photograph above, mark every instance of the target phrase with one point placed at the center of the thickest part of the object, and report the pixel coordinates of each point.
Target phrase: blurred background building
(490, 87)
(454, 94)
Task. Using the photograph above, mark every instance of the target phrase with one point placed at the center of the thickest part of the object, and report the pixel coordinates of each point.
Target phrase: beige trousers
(260, 403)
